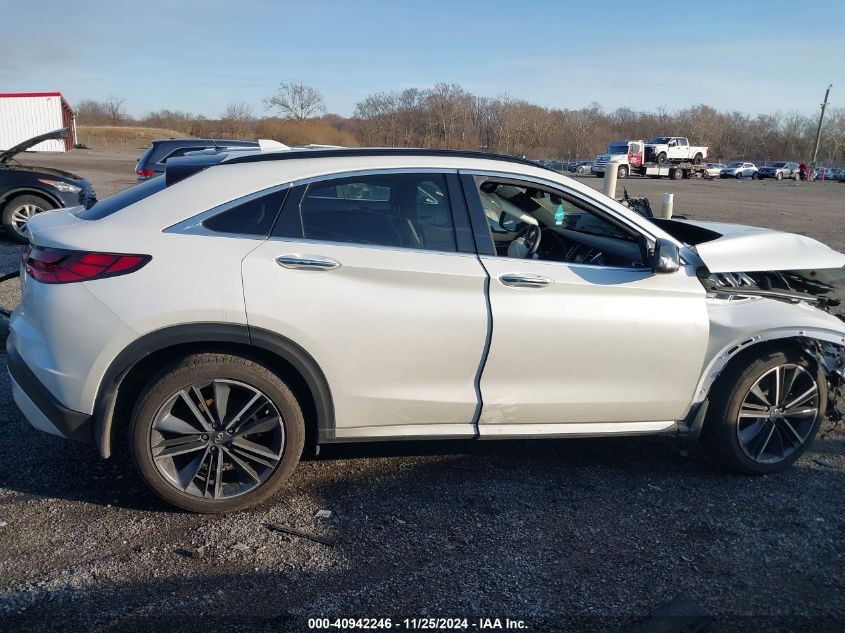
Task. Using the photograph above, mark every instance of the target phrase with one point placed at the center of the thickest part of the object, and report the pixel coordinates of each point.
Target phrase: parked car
(714, 169)
(341, 280)
(779, 171)
(739, 170)
(580, 167)
(152, 162)
(825, 173)
(27, 191)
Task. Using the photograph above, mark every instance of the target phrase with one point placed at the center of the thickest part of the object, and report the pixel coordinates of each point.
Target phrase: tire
(698, 158)
(739, 175)
(797, 177)
(779, 176)
(677, 174)
(661, 158)
(623, 172)
(17, 212)
(161, 414)
(754, 175)
(735, 441)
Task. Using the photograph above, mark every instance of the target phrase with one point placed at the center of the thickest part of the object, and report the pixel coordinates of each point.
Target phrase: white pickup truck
(674, 149)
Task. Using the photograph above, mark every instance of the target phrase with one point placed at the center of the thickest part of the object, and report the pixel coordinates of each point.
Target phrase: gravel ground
(566, 535)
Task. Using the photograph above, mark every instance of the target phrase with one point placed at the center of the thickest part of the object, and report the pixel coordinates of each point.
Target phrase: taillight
(54, 266)
(145, 173)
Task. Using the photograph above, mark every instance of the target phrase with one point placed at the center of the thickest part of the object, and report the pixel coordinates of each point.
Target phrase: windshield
(660, 140)
(735, 164)
(617, 148)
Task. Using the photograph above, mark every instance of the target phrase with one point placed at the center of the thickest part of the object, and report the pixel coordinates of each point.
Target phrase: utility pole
(819, 130)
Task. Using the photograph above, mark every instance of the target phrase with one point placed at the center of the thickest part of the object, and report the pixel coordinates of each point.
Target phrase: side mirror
(666, 258)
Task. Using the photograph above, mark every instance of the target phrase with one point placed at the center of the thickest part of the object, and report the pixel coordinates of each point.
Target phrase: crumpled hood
(742, 248)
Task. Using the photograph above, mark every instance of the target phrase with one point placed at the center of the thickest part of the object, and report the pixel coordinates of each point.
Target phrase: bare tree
(296, 101)
(114, 109)
(237, 119)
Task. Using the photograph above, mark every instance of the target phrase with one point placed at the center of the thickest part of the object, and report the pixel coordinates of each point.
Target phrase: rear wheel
(19, 210)
(765, 413)
(216, 433)
(698, 158)
(779, 176)
(677, 174)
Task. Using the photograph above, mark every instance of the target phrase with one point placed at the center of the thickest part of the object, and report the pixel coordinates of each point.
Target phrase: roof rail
(376, 151)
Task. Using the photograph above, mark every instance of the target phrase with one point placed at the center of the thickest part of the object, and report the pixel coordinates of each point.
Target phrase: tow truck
(629, 156)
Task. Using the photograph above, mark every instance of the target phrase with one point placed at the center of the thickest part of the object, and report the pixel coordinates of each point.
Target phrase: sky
(198, 56)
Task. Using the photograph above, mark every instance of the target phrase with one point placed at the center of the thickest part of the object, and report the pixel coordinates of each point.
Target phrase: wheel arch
(797, 338)
(135, 365)
(29, 191)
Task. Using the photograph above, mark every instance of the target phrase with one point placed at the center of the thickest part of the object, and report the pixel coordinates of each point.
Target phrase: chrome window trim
(577, 194)
(194, 224)
(374, 172)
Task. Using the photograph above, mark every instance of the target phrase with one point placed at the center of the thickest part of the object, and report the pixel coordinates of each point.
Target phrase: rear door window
(394, 210)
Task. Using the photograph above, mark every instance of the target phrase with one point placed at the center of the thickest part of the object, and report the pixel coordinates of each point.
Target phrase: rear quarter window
(121, 200)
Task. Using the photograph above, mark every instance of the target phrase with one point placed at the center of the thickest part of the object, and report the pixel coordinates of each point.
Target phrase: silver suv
(245, 304)
(779, 171)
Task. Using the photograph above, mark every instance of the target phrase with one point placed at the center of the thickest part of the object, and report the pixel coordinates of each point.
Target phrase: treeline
(447, 116)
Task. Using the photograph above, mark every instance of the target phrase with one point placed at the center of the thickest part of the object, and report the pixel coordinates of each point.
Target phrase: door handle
(524, 280)
(299, 262)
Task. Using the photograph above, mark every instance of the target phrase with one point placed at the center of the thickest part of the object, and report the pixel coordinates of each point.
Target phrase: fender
(728, 352)
(31, 191)
(234, 333)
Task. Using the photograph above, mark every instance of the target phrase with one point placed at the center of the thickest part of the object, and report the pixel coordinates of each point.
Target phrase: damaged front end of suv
(767, 287)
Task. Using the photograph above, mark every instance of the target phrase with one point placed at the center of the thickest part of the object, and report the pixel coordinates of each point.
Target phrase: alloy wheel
(778, 414)
(217, 439)
(22, 215)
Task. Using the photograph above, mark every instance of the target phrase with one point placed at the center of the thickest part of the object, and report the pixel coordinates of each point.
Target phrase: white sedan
(712, 170)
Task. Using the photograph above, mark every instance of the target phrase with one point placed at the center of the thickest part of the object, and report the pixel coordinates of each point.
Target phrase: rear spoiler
(177, 169)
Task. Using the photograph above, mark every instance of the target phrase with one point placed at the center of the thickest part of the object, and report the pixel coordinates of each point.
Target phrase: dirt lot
(566, 535)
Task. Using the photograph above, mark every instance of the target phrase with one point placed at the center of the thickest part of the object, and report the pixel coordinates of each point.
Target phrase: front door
(586, 338)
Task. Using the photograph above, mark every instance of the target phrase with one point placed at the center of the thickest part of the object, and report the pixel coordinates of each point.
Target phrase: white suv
(245, 305)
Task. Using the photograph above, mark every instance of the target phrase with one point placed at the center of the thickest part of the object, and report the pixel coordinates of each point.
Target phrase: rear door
(376, 277)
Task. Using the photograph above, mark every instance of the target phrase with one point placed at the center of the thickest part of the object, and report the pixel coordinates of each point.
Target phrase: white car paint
(750, 249)
(400, 334)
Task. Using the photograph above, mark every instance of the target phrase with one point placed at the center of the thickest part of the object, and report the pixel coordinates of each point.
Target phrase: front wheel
(623, 172)
(19, 211)
(765, 413)
(739, 175)
(779, 176)
(216, 433)
(661, 158)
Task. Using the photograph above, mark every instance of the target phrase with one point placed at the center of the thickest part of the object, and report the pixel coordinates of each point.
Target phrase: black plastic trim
(377, 151)
(236, 333)
(480, 230)
(460, 215)
(72, 424)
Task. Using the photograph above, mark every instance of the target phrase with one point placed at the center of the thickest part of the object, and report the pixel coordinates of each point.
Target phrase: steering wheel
(529, 236)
